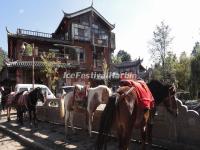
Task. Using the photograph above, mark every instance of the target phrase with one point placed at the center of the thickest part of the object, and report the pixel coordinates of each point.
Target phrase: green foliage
(157, 72)
(170, 71)
(120, 57)
(2, 57)
(50, 69)
(115, 59)
(183, 72)
(28, 50)
(196, 49)
(105, 69)
(124, 56)
(195, 73)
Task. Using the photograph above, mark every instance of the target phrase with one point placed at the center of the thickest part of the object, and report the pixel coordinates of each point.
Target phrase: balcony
(33, 33)
(59, 57)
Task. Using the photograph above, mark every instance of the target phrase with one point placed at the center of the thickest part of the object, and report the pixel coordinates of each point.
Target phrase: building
(134, 68)
(80, 43)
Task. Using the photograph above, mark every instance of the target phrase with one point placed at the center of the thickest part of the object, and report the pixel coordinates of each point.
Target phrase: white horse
(92, 97)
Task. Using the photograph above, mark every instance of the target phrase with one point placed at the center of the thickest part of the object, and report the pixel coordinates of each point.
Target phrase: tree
(157, 72)
(105, 69)
(50, 69)
(195, 73)
(124, 56)
(170, 72)
(183, 71)
(170, 64)
(160, 45)
(2, 57)
(196, 49)
(115, 59)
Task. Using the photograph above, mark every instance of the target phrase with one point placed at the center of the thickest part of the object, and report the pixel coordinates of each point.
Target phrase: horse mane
(32, 95)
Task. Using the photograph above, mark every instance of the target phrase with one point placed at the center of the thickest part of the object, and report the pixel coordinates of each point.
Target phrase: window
(82, 55)
(80, 32)
(23, 89)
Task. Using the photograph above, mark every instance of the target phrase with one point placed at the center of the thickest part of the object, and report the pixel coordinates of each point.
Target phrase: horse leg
(30, 117)
(90, 123)
(124, 138)
(144, 129)
(71, 121)
(143, 136)
(34, 117)
(149, 135)
(67, 113)
(8, 113)
(21, 117)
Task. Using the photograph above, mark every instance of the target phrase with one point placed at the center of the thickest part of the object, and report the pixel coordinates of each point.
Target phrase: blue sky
(135, 20)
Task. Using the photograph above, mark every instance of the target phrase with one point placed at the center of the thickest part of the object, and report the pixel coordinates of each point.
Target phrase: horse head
(170, 101)
(79, 92)
(164, 93)
(38, 94)
(126, 94)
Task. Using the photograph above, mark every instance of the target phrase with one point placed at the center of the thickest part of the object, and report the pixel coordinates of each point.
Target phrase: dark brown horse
(27, 102)
(124, 112)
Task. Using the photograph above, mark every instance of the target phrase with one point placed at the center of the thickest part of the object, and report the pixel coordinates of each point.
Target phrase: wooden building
(80, 43)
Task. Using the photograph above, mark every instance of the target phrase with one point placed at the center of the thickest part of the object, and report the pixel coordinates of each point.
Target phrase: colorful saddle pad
(145, 98)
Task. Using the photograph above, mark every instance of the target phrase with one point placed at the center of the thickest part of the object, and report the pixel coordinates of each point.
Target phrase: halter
(170, 98)
(125, 94)
(84, 93)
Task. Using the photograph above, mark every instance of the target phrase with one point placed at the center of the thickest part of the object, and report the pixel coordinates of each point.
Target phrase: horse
(125, 112)
(90, 98)
(27, 102)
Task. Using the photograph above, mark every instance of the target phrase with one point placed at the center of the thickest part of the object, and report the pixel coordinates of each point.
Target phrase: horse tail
(106, 121)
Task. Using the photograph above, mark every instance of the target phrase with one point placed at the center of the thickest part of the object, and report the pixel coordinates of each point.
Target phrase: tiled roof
(88, 9)
(129, 63)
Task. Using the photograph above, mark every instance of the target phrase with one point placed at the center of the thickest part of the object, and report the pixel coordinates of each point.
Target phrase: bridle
(171, 97)
(123, 95)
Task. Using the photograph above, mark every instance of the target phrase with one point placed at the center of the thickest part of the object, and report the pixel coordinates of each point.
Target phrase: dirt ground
(53, 137)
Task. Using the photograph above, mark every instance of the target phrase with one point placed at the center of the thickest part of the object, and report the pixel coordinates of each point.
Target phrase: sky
(135, 21)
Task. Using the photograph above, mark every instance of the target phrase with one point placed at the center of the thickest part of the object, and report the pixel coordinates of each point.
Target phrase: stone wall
(181, 132)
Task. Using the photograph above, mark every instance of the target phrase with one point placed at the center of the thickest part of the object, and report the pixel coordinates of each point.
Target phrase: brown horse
(124, 111)
(27, 102)
(8, 100)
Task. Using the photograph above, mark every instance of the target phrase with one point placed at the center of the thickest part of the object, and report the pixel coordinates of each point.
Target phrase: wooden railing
(34, 33)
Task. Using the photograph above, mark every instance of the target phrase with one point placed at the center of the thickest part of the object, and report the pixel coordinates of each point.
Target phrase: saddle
(145, 98)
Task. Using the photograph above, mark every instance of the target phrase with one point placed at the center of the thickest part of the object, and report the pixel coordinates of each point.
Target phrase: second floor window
(80, 32)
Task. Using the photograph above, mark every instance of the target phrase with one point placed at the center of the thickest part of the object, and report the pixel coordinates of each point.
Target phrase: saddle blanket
(145, 98)
(22, 101)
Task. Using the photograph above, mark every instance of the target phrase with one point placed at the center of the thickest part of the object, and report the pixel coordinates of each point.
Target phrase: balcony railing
(34, 33)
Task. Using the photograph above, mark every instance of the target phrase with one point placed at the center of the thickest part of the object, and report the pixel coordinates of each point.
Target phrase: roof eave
(88, 9)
